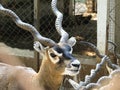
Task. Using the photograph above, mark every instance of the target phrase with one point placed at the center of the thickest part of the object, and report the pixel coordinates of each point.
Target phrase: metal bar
(37, 25)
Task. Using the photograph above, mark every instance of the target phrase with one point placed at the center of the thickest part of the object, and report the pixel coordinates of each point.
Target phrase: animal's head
(60, 58)
(60, 54)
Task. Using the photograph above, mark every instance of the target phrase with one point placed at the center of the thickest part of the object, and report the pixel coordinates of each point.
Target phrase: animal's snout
(75, 63)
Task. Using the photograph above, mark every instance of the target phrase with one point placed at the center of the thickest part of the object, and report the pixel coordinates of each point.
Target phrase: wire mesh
(9, 32)
(76, 25)
(78, 21)
(113, 21)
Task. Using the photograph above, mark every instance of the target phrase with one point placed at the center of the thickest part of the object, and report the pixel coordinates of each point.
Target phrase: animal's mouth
(75, 70)
(71, 71)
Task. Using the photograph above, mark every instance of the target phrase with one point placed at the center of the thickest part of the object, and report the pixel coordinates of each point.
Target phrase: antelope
(57, 59)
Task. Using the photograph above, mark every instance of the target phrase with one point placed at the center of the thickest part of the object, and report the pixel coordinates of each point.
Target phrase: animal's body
(50, 76)
(16, 77)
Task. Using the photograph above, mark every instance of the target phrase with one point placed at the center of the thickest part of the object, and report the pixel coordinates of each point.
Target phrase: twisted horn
(93, 73)
(26, 26)
(115, 49)
(92, 46)
(58, 23)
(74, 84)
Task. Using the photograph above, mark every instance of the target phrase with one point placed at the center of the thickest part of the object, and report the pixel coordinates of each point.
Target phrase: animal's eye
(52, 55)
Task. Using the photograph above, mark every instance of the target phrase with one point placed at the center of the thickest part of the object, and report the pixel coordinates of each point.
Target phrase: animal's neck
(49, 78)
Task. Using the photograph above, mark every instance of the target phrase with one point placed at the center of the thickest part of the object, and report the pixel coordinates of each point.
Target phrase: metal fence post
(37, 25)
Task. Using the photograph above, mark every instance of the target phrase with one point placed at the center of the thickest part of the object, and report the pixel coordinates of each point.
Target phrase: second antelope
(57, 59)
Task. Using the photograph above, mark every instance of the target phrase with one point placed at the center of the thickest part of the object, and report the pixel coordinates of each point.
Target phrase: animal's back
(14, 77)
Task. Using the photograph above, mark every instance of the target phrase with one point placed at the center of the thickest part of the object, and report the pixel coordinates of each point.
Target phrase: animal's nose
(75, 63)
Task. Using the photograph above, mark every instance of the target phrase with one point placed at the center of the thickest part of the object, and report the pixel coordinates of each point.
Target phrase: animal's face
(61, 56)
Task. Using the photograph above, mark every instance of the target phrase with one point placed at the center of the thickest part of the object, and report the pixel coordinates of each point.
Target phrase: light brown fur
(49, 76)
(25, 78)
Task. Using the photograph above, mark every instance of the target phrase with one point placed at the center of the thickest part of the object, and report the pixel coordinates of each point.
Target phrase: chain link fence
(79, 20)
(113, 30)
(75, 23)
(10, 34)
(114, 19)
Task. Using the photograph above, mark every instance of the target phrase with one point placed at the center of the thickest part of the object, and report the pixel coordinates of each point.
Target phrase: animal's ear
(71, 41)
(38, 46)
